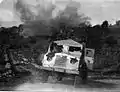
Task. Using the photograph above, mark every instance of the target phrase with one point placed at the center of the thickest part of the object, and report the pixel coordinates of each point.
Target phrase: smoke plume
(35, 17)
(40, 16)
(40, 11)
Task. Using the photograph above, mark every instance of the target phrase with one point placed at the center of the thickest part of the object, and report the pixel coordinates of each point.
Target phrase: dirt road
(67, 86)
(28, 81)
(32, 83)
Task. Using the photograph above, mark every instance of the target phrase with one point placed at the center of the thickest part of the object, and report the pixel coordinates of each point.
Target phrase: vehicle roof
(68, 42)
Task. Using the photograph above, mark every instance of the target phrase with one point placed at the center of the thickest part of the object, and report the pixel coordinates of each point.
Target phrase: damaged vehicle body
(67, 57)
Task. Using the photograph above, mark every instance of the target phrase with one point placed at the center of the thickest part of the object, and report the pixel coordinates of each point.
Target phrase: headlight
(49, 58)
(73, 60)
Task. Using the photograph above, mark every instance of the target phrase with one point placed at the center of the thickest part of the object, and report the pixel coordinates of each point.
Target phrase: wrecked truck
(67, 57)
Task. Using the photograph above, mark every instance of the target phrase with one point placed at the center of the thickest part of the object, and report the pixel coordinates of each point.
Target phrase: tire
(57, 76)
(60, 77)
(45, 75)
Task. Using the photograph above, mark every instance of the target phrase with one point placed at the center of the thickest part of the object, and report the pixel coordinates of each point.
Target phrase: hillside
(115, 32)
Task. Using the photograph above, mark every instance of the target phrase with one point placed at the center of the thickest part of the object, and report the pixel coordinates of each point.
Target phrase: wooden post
(75, 81)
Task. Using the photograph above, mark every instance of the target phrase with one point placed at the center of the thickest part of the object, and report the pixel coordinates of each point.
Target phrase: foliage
(118, 22)
(96, 35)
(105, 24)
(111, 41)
(10, 37)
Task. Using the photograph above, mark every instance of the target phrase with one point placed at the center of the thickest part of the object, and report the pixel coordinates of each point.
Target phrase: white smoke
(39, 10)
(38, 15)
(1, 1)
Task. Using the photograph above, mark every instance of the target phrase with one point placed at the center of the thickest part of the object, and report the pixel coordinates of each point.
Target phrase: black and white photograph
(60, 45)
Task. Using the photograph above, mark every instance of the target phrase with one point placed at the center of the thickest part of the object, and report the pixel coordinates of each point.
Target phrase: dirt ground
(27, 81)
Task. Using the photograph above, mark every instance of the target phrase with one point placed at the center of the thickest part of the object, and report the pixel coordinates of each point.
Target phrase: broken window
(72, 49)
(89, 53)
(56, 48)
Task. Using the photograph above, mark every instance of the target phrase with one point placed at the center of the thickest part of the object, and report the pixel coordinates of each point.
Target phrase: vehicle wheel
(45, 75)
(60, 77)
(57, 76)
(83, 72)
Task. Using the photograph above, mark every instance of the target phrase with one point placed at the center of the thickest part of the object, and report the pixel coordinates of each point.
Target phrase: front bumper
(68, 71)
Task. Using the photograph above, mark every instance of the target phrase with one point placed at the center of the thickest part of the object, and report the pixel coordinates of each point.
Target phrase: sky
(97, 10)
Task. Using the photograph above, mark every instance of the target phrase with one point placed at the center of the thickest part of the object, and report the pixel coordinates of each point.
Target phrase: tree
(111, 40)
(105, 24)
(94, 35)
(9, 39)
(118, 22)
(105, 29)
(21, 28)
(97, 35)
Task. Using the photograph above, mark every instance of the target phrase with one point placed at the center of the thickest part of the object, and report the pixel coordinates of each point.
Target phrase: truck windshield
(72, 49)
(56, 48)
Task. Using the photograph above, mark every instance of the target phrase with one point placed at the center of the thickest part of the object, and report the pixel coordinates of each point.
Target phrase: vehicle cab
(64, 56)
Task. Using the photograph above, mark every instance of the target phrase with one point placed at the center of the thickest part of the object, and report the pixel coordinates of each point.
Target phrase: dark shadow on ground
(14, 82)
(105, 77)
(89, 84)
(96, 84)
